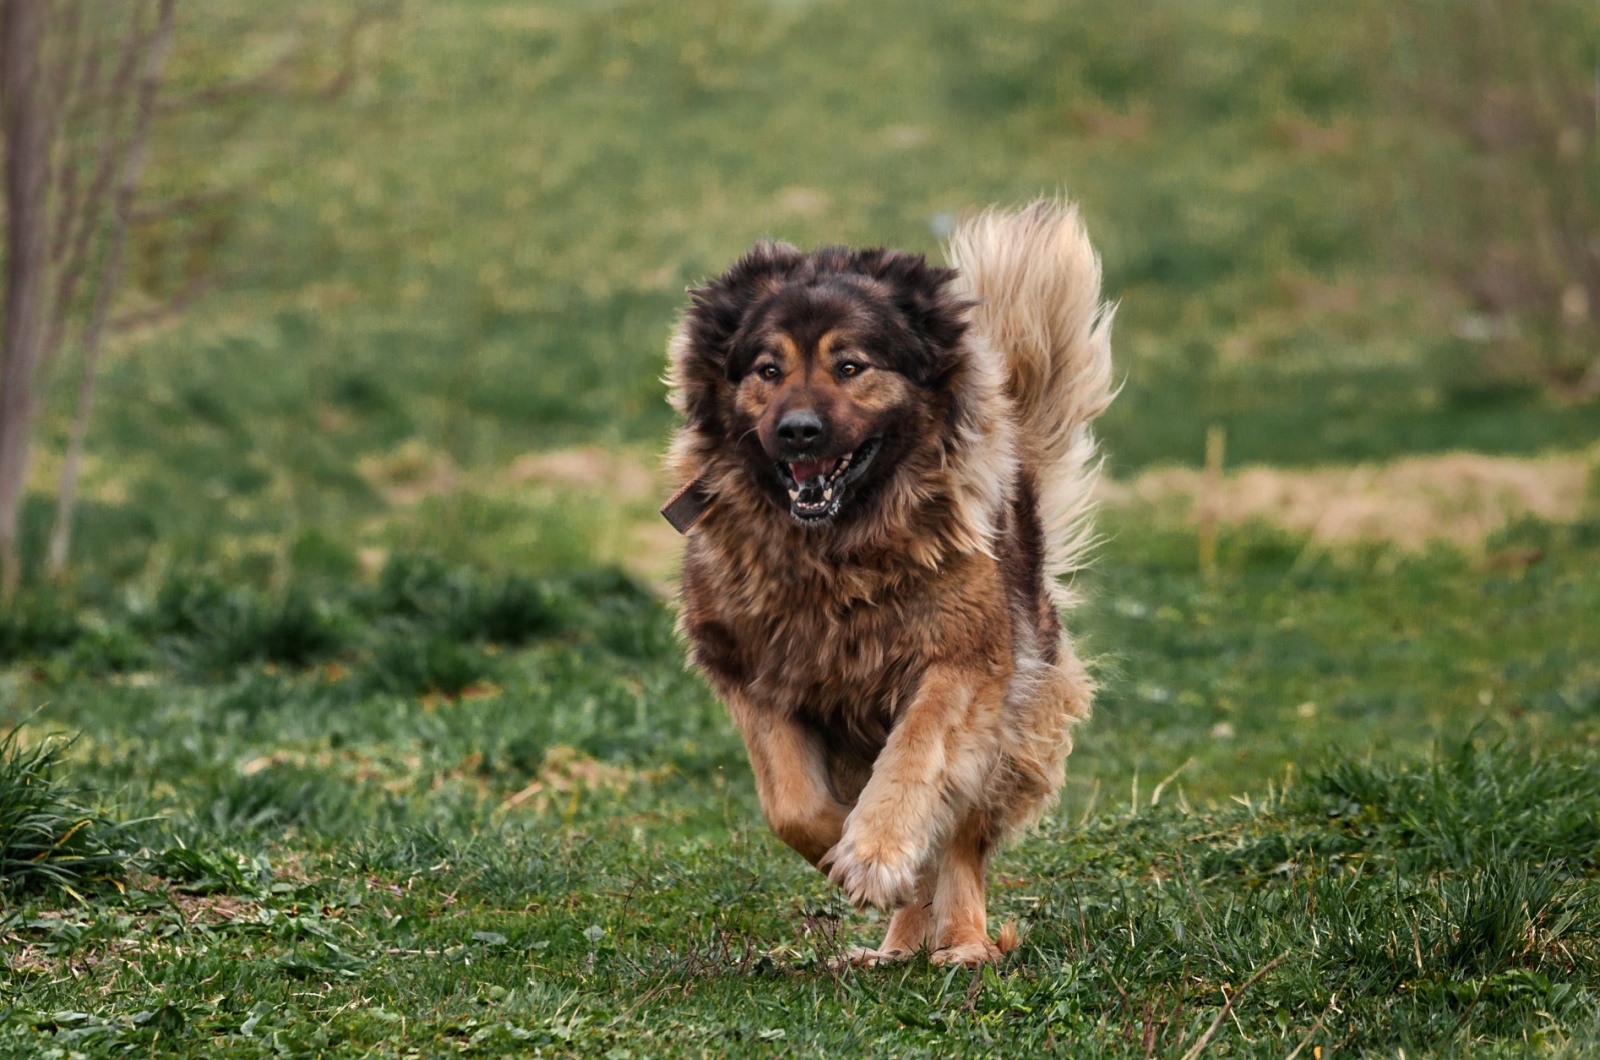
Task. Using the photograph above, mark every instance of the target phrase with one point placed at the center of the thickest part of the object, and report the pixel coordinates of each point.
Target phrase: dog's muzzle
(817, 487)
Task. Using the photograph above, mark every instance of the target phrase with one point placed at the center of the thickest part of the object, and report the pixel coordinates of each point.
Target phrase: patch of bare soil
(21, 955)
(1458, 497)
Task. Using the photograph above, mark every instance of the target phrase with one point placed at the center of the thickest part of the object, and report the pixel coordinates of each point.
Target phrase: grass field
(351, 735)
(446, 811)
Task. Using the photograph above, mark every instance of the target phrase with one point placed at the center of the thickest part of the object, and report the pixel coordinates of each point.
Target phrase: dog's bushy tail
(1036, 280)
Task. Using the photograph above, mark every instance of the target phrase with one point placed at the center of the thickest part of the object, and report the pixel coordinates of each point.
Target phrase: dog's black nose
(802, 427)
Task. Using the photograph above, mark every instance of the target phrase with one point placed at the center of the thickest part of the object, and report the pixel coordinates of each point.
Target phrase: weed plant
(48, 839)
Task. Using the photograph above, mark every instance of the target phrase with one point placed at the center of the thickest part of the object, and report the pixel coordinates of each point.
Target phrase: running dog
(885, 471)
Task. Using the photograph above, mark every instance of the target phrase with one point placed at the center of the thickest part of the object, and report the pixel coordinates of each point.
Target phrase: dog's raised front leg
(932, 767)
(791, 770)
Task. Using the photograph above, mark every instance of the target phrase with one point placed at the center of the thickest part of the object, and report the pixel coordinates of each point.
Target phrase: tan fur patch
(826, 343)
(790, 356)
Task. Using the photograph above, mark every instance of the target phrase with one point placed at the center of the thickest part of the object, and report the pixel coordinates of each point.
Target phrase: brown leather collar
(686, 506)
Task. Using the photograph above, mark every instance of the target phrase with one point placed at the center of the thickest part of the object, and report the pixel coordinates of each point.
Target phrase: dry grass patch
(1458, 497)
(410, 473)
(622, 476)
(567, 772)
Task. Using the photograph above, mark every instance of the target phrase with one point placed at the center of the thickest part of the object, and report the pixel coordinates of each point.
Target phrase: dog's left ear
(922, 292)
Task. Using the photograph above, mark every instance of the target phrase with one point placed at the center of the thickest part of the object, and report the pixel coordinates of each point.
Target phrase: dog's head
(825, 374)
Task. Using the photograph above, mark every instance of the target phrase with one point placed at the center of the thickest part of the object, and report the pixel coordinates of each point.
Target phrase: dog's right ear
(717, 310)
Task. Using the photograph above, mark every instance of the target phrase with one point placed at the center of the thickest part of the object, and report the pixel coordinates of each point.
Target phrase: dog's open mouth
(817, 487)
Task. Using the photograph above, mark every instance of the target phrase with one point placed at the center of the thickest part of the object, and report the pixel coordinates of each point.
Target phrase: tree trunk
(110, 280)
(27, 167)
(78, 219)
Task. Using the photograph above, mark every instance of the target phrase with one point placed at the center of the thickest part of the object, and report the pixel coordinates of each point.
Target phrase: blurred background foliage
(434, 237)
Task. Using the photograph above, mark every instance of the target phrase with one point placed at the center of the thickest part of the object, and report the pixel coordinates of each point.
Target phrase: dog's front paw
(870, 875)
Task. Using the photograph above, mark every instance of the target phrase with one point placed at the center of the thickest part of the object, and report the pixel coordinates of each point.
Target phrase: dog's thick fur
(896, 664)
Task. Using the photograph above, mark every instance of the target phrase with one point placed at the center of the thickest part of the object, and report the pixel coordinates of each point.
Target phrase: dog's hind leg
(960, 928)
(910, 929)
(911, 924)
(791, 770)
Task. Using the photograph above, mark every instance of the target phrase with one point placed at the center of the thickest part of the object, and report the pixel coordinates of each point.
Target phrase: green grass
(443, 810)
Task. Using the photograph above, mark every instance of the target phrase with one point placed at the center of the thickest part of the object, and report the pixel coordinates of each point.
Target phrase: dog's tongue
(806, 470)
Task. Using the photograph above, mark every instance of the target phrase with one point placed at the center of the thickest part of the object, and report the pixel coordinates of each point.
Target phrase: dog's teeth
(827, 494)
(794, 495)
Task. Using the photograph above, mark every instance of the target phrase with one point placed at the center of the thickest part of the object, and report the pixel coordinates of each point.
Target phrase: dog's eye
(769, 372)
(849, 368)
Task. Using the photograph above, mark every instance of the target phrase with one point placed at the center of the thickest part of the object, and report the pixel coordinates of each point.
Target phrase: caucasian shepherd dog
(885, 470)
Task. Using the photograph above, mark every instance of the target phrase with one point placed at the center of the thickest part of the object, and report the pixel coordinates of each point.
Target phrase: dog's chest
(831, 660)
(810, 645)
